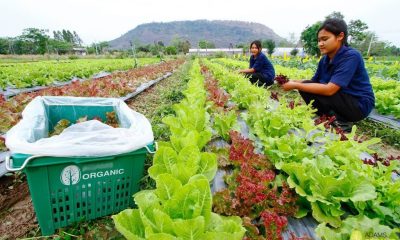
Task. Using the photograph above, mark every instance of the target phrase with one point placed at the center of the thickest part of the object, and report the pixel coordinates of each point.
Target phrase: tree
(270, 46)
(292, 39)
(23, 47)
(335, 15)
(285, 43)
(378, 49)
(35, 40)
(372, 46)
(182, 45)
(203, 44)
(241, 45)
(65, 40)
(60, 47)
(97, 48)
(368, 43)
(357, 31)
(171, 50)
(155, 49)
(91, 49)
(103, 46)
(143, 48)
(393, 50)
(77, 40)
(4, 46)
(67, 36)
(161, 43)
(294, 52)
(310, 40)
(57, 35)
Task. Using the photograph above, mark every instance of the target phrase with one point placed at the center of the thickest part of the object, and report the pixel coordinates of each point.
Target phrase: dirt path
(11, 192)
(16, 209)
(18, 220)
(386, 150)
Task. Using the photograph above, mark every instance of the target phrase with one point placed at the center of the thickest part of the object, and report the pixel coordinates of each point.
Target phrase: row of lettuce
(253, 190)
(180, 206)
(345, 195)
(386, 87)
(43, 73)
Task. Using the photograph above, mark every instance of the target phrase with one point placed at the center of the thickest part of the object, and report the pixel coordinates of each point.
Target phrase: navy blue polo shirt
(347, 70)
(262, 65)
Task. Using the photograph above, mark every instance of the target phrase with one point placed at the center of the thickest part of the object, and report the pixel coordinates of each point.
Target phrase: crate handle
(11, 169)
(155, 148)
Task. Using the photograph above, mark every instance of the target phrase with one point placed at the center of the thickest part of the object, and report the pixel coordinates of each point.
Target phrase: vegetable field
(21, 75)
(234, 161)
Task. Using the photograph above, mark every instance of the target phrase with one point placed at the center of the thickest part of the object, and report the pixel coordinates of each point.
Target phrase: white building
(230, 51)
(79, 51)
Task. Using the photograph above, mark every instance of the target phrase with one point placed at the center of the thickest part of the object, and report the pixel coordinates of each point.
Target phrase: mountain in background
(221, 33)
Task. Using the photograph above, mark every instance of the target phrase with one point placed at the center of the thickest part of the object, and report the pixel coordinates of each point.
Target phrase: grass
(388, 135)
(156, 104)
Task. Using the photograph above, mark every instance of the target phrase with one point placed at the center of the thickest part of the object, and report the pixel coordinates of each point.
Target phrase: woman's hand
(250, 70)
(289, 85)
(315, 88)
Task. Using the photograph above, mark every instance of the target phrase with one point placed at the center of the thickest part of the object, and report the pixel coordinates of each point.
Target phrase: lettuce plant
(225, 122)
(177, 211)
(187, 162)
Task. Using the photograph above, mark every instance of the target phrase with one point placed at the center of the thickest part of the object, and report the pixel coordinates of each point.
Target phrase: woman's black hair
(257, 43)
(335, 26)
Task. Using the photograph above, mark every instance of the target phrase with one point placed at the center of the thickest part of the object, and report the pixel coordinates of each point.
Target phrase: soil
(386, 150)
(11, 192)
(16, 209)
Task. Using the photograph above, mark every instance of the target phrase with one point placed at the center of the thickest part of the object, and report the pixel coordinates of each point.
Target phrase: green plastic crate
(66, 190)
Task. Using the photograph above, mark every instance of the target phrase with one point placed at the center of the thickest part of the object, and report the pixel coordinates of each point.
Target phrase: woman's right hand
(290, 85)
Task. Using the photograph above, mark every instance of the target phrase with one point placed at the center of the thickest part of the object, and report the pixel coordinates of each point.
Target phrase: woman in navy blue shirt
(260, 70)
(341, 85)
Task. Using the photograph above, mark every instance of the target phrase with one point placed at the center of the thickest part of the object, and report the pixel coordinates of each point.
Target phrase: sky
(105, 20)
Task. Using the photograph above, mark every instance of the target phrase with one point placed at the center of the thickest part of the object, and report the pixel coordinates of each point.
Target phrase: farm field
(43, 73)
(279, 162)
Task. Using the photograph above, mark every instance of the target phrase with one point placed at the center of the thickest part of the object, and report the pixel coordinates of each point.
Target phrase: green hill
(221, 33)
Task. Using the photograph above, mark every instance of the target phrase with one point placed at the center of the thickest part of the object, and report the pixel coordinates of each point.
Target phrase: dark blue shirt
(262, 65)
(347, 70)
